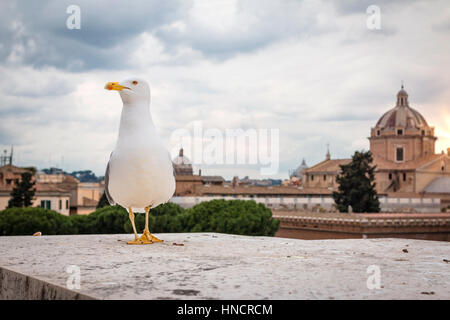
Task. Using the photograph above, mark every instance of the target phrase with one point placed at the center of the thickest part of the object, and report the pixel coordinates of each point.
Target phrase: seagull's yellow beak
(114, 86)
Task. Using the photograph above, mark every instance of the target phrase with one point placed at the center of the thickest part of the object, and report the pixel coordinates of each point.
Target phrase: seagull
(139, 175)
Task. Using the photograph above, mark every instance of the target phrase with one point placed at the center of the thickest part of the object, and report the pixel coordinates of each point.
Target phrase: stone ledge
(380, 222)
(17, 285)
(219, 266)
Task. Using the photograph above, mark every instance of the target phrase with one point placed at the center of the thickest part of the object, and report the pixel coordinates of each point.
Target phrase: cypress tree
(23, 193)
(103, 201)
(357, 185)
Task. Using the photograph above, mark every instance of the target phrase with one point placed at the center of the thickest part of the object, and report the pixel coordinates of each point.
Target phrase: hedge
(225, 216)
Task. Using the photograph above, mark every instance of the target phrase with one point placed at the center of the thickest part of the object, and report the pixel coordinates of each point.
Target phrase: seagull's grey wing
(108, 196)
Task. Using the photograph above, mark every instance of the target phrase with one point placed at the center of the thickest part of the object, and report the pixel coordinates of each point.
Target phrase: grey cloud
(252, 29)
(35, 32)
(33, 88)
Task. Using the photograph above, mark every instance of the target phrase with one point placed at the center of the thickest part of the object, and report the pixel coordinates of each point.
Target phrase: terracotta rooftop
(383, 164)
(181, 177)
(13, 172)
(213, 179)
(50, 187)
(89, 202)
(328, 166)
(256, 190)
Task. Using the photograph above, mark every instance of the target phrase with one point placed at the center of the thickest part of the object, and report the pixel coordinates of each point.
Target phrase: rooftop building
(403, 148)
(56, 191)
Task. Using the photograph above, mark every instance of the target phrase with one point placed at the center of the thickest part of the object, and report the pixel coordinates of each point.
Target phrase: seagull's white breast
(140, 168)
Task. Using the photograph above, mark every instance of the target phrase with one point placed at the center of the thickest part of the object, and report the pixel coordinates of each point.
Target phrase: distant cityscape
(410, 176)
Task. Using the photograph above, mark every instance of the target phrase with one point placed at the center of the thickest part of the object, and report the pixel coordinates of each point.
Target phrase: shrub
(231, 216)
(235, 216)
(26, 221)
(107, 220)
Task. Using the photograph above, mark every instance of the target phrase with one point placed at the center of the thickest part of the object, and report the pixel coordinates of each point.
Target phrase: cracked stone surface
(220, 266)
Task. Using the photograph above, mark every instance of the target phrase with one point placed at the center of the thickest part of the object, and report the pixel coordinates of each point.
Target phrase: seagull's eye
(135, 82)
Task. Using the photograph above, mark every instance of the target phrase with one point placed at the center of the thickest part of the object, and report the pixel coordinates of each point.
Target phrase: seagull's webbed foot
(136, 241)
(150, 237)
(145, 240)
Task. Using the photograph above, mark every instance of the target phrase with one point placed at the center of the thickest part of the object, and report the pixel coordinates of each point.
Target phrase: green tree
(103, 202)
(357, 185)
(26, 221)
(242, 217)
(23, 193)
(226, 216)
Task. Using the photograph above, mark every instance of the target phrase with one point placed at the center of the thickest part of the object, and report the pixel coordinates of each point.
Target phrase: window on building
(423, 132)
(399, 132)
(390, 176)
(60, 204)
(404, 176)
(324, 177)
(399, 153)
(8, 181)
(312, 177)
(67, 204)
(378, 132)
(46, 204)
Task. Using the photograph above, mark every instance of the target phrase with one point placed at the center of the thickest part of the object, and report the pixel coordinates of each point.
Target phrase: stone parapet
(220, 266)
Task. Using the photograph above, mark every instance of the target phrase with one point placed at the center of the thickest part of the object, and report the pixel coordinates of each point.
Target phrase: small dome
(298, 172)
(181, 159)
(402, 115)
(182, 165)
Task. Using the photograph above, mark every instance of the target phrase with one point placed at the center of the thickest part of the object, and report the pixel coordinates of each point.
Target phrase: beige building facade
(50, 192)
(59, 192)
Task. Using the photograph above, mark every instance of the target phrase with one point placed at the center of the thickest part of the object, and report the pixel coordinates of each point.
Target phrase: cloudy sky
(311, 69)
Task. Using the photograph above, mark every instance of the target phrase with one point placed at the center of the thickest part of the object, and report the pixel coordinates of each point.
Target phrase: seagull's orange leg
(146, 234)
(136, 238)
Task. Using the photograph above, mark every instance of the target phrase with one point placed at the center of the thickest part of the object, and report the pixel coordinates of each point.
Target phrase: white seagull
(139, 175)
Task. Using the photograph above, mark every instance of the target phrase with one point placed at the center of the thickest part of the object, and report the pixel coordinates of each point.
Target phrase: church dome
(402, 116)
(298, 172)
(181, 159)
(182, 164)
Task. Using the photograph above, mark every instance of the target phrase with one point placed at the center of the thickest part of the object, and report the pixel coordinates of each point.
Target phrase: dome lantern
(402, 98)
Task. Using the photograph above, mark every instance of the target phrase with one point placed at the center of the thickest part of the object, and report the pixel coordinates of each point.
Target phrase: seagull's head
(131, 90)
